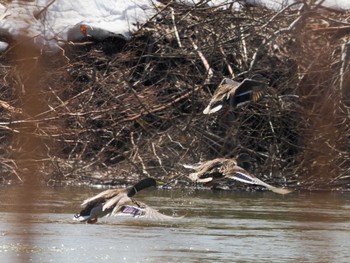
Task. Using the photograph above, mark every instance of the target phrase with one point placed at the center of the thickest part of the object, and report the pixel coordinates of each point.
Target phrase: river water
(217, 227)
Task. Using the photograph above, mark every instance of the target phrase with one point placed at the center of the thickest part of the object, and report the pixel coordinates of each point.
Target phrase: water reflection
(218, 227)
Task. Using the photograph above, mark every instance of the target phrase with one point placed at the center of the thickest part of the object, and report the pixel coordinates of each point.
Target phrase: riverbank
(111, 111)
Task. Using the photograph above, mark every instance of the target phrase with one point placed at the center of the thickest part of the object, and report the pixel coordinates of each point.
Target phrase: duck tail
(145, 183)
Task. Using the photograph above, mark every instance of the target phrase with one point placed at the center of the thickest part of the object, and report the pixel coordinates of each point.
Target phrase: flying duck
(236, 93)
(119, 202)
(221, 168)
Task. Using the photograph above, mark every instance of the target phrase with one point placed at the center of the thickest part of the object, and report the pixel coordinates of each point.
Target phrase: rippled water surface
(217, 227)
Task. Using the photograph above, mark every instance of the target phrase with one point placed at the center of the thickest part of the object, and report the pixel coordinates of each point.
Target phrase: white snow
(337, 4)
(279, 4)
(63, 19)
(71, 20)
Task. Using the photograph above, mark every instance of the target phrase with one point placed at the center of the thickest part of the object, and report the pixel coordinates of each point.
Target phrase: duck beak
(159, 183)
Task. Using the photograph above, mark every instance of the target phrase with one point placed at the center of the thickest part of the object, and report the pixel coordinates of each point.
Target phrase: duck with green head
(119, 202)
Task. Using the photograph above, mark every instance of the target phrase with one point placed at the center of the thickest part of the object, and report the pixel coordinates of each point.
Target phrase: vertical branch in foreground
(26, 146)
(325, 131)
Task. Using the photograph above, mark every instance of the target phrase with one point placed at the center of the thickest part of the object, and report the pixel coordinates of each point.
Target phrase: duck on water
(119, 202)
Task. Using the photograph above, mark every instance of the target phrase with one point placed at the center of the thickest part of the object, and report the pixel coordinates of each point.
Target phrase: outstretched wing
(246, 178)
(248, 90)
(107, 194)
(142, 211)
(155, 215)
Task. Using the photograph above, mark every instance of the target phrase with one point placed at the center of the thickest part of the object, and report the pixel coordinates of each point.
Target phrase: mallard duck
(237, 93)
(220, 168)
(119, 202)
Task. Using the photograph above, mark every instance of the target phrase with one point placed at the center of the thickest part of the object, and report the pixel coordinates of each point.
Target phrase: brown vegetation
(114, 111)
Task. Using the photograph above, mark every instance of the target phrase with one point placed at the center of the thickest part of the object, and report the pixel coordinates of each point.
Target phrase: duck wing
(249, 179)
(103, 196)
(248, 90)
(116, 202)
(155, 215)
(200, 178)
(197, 176)
(222, 93)
(207, 171)
(138, 209)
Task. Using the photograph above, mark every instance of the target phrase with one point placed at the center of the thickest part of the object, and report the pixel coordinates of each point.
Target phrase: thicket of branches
(112, 111)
